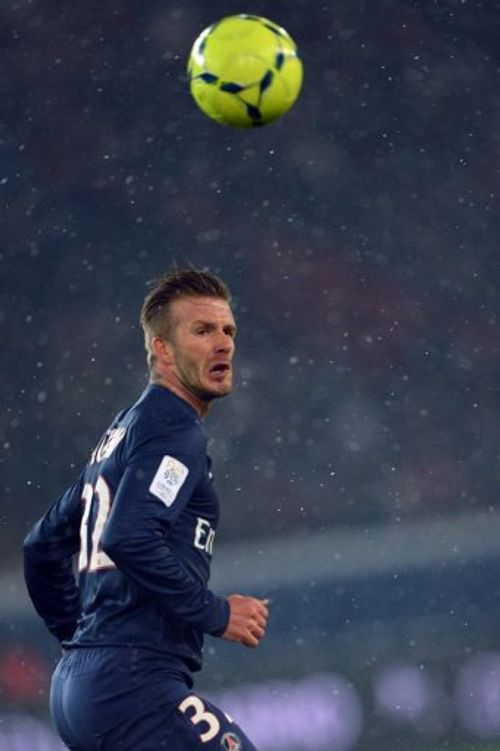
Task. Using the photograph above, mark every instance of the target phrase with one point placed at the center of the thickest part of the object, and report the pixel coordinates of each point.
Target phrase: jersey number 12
(96, 558)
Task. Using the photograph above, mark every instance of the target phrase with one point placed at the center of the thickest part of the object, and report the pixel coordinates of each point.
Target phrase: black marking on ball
(253, 112)
(208, 78)
(274, 29)
(231, 88)
(280, 59)
(266, 81)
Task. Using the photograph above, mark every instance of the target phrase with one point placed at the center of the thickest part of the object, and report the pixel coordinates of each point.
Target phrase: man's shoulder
(160, 416)
(160, 409)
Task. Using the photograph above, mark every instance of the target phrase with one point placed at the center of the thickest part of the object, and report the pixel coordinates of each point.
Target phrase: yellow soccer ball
(244, 71)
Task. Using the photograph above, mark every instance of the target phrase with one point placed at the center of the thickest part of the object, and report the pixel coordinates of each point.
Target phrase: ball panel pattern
(244, 71)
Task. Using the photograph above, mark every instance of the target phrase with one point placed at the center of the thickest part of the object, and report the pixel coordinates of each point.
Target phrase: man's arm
(48, 564)
(137, 546)
(136, 535)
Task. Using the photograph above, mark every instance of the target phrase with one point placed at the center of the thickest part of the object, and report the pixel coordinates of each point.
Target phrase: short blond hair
(155, 313)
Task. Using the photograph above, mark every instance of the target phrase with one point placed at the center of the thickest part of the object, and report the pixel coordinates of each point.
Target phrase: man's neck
(200, 406)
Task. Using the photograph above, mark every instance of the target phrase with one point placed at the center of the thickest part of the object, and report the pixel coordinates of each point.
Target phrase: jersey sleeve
(48, 563)
(159, 480)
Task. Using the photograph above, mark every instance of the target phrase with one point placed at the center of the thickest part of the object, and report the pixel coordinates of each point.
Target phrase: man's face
(202, 345)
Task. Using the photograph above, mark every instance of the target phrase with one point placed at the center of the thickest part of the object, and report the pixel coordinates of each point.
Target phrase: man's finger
(263, 607)
(261, 621)
(258, 631)
(251, 641)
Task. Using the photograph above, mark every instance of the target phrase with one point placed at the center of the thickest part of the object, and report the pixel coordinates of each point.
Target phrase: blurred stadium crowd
(359, 236)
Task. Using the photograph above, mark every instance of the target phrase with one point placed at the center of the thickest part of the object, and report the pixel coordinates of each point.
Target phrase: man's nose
(224, 343)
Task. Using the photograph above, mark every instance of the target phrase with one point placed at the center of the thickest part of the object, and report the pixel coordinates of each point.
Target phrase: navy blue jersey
(139, 526)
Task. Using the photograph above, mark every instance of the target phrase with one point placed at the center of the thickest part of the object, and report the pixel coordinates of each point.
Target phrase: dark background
(359, 236)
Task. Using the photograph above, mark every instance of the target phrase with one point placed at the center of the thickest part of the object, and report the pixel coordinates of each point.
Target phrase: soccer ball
(244, 71)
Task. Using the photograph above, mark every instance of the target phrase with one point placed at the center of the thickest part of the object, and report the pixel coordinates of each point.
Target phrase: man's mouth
(219, 368)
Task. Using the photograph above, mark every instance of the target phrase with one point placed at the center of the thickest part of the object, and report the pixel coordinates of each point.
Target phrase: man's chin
(217, 391)
(222, 391)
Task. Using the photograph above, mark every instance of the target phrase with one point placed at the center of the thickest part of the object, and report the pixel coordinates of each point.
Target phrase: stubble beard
(191, 383)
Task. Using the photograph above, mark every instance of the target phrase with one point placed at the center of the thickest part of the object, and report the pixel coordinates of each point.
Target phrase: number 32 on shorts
(201, 715)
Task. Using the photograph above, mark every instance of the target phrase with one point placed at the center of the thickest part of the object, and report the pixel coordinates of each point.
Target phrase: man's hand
(247, 620)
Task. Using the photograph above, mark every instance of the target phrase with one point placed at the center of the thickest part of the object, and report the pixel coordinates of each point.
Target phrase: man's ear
(162, 350)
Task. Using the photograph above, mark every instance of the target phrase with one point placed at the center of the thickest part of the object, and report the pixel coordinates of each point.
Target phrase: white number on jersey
(98, 558)
(201, 715)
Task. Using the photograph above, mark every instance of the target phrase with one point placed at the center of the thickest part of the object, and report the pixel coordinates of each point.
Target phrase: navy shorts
(131, 700)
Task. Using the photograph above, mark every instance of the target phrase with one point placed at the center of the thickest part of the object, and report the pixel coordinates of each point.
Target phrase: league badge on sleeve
(168, 479)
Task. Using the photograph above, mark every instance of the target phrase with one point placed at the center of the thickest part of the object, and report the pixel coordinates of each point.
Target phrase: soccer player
(141, 521)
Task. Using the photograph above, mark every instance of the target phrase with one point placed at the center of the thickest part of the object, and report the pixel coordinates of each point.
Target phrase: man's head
(189, 333)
